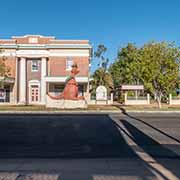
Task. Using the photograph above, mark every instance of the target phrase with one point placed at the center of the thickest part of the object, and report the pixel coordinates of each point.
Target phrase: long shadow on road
(61, 136)
(147, 143)
(149, 125)
(164, 156)
(72, 136)
(153, 148)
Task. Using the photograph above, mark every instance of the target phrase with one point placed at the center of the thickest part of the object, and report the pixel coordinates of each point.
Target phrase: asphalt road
(90, 147)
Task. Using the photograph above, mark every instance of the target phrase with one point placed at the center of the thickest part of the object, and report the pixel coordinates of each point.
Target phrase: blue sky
(110, 22)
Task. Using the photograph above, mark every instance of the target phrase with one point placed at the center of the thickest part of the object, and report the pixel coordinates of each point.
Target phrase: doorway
(34, 94)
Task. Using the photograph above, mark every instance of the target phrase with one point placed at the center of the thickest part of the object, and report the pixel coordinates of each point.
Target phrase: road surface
(90, 147)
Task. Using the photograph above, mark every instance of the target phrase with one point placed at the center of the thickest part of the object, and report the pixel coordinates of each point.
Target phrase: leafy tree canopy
(156, 65)
(100, 53)
(125, 70)
(4, 70)
(160, 68)
(101, 76)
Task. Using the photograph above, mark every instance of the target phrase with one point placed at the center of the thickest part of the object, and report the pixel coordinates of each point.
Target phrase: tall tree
(101, 76)
(160, 64)
(4, 70)
(100, 53)
(125, 70)
(156, 65)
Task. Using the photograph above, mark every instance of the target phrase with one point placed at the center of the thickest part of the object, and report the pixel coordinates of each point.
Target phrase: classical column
(43, 82)
(16, 83)
(22, 81)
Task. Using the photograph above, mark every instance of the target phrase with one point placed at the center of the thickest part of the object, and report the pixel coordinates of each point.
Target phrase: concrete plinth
(65, 104)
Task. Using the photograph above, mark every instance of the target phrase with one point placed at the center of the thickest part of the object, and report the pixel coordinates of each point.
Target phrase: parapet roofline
(50, 43)
(52, 38)
(32, 35)
(73, 40)
(8, 40)
(45, 46)
(61, 41)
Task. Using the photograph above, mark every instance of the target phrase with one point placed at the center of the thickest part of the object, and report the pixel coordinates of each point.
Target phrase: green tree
(4, 70)
(100, 54)
(125, 70)
(160, 68)
(101, 76)
(156, 65)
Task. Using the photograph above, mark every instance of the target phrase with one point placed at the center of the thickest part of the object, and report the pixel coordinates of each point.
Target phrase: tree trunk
(159, 102)
(1, 84)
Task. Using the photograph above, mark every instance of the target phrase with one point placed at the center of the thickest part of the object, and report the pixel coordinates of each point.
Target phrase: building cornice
(32, 35)
(34, 53)
(62, 79)
(49, 46)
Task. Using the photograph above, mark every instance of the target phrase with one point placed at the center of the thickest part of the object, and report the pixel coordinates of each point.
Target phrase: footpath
(94, 109)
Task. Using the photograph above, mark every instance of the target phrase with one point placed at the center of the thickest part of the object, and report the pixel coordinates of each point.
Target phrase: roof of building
(41, 42)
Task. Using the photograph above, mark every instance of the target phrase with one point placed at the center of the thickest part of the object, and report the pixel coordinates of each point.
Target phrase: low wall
(98, 102)
(7, 103)
(174, 101)
(137, 101)
(65, 104)
(95, 102)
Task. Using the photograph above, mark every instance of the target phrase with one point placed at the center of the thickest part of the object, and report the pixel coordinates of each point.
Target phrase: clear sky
(110, 22)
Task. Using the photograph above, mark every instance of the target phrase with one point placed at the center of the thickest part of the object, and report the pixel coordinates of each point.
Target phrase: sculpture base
(66, 104)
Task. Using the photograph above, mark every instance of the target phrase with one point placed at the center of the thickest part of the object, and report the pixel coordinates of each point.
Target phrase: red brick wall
(33, 75)
(69, 42)
(41, 40)
(44, 40)
(25, 40)
(11, 64)
(7, 41)
(58, 66)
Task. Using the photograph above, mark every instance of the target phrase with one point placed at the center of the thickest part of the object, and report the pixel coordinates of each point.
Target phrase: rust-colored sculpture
(71, 88)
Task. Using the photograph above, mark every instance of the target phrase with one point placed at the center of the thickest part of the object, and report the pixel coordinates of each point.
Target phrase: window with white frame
(69, 63)
(34, 65)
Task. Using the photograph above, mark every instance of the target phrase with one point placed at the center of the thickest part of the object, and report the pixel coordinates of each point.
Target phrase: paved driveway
(90, 147)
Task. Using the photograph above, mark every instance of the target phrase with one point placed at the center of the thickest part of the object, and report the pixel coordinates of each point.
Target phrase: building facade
(40, 65)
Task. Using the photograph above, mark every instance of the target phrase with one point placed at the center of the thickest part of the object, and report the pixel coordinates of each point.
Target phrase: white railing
(93, 101)
(139, 100)
(136, 98)
(174, 100)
